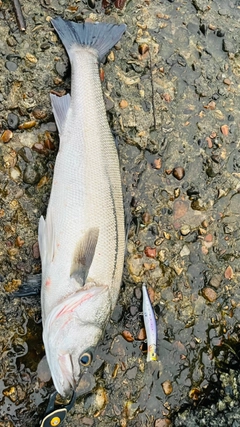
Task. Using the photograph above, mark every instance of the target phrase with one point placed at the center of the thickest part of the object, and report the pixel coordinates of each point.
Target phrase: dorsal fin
(84, 254)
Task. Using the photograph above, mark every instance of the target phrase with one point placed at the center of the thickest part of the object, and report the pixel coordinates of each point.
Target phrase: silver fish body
(82, 240)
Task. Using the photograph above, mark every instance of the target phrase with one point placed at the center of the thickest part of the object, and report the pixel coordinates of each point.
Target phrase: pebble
(127, 336)
(15, 173)
(61, 68)
(215, 280)
(31, 175)
(101, 398)
(146, 218)
(228, 273)
(150, 252)
(27, 125)
(13, 121)
(167, 387)
(117, 313)
(138, 293)
(162, 422)
(26, 154)
(87, 421)
(194, 394)
(185, 251)
(39, 113)
(157, 163)
(35, 250)
(224, 130)
(185, 230)
(11, 66)
(31, 58)
(141, 334)
(6, 136)
(209, 294)
(131, 373)
(178, 173)
(133, 310)
(123, 104)
(143, 48)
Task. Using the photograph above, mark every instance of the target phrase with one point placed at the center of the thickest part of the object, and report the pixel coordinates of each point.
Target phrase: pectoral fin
(46, 240)
(83, 256)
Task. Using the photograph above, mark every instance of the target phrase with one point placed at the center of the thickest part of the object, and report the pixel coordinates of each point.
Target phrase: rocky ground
(172, 93)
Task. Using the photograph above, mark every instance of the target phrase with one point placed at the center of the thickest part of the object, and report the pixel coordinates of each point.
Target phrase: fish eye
(86, 358)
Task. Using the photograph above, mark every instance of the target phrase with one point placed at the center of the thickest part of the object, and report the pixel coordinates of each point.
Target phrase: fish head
(72, 330)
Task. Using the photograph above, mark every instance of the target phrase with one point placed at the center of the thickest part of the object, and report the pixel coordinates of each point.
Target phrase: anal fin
(60, 107)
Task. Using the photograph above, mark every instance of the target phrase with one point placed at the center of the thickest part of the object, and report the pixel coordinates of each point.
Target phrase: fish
(150, 326)
(82, 238)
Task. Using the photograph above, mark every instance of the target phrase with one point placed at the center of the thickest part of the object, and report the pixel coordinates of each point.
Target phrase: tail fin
(99, 36)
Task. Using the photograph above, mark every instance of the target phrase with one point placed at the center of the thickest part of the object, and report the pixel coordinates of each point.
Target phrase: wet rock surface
(172, 90)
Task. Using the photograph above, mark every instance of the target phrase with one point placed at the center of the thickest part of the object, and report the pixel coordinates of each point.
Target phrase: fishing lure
(150, 325)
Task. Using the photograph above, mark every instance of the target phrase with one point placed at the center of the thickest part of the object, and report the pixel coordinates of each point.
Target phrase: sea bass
(82, 239)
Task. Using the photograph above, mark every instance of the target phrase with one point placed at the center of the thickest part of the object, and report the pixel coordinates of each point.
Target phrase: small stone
(185, 251)
(131, 373)
(167, 97)
(178, 173)
(111, 56)
(227, 82)
(123, 104)
(210, 106)
(157, 163)
(31, 175)
(39, 113)
(26, 154)
(27, 125)
(39, 148)
(209, 294)
(31, 58)
(176, 192)
(228, 273)
(185, 230)
(6, 136)
(127, 336)
(13, 121)
(208, 238)
(19, 242)
(225, 130)
(87, 421)
(141, 334)
(194, 394)
(133, 310)
(204, 250)
(143, 48)
(146, 218)
(150, 252)
(162, 422)
(209, 142)
(11, 66)
(35, 249)
(167, 387)
(138, 293)
(100, 398)
(61, 68)
(215, 280)
(101, 74)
